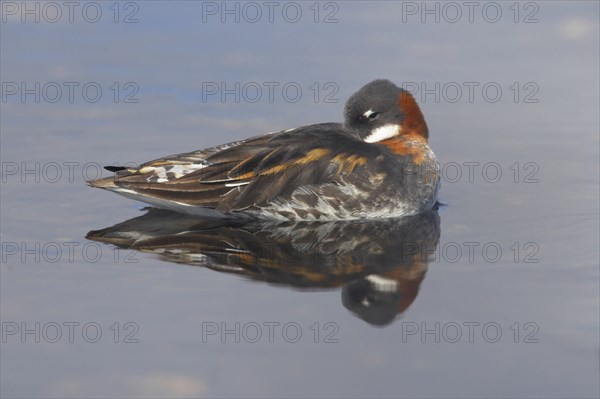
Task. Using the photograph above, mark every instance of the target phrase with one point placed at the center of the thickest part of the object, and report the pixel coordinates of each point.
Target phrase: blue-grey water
(506, 306)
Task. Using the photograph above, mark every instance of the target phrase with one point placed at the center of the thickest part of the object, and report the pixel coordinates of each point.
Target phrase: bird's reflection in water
(379, 264)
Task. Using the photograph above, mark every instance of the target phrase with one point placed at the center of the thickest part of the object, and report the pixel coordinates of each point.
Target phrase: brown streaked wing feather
(264, 188)
(259, 170)
(194, 156)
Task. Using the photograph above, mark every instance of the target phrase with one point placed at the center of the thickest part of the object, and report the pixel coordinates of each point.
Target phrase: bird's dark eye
(372, 116)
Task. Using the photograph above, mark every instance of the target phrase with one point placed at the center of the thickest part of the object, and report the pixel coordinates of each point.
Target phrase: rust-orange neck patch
(413, 145)
(414, 122)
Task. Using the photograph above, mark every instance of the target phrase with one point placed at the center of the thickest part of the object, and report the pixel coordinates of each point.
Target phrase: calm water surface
(496, 294)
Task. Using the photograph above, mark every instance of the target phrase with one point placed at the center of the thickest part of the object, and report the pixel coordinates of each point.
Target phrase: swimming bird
(377, 164)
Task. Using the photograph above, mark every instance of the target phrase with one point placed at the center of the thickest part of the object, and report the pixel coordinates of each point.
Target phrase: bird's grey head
(381, 110)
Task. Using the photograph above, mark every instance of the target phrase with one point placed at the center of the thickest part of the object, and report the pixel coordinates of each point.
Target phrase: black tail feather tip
(115, 168)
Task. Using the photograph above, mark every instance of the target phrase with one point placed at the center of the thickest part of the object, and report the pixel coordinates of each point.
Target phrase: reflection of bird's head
(378, 300)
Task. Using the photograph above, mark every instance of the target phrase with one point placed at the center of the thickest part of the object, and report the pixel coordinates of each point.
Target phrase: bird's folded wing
(253, 174)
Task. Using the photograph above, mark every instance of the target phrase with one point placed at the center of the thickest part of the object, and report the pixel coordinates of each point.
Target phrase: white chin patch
(383, 133)
(383, 284)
